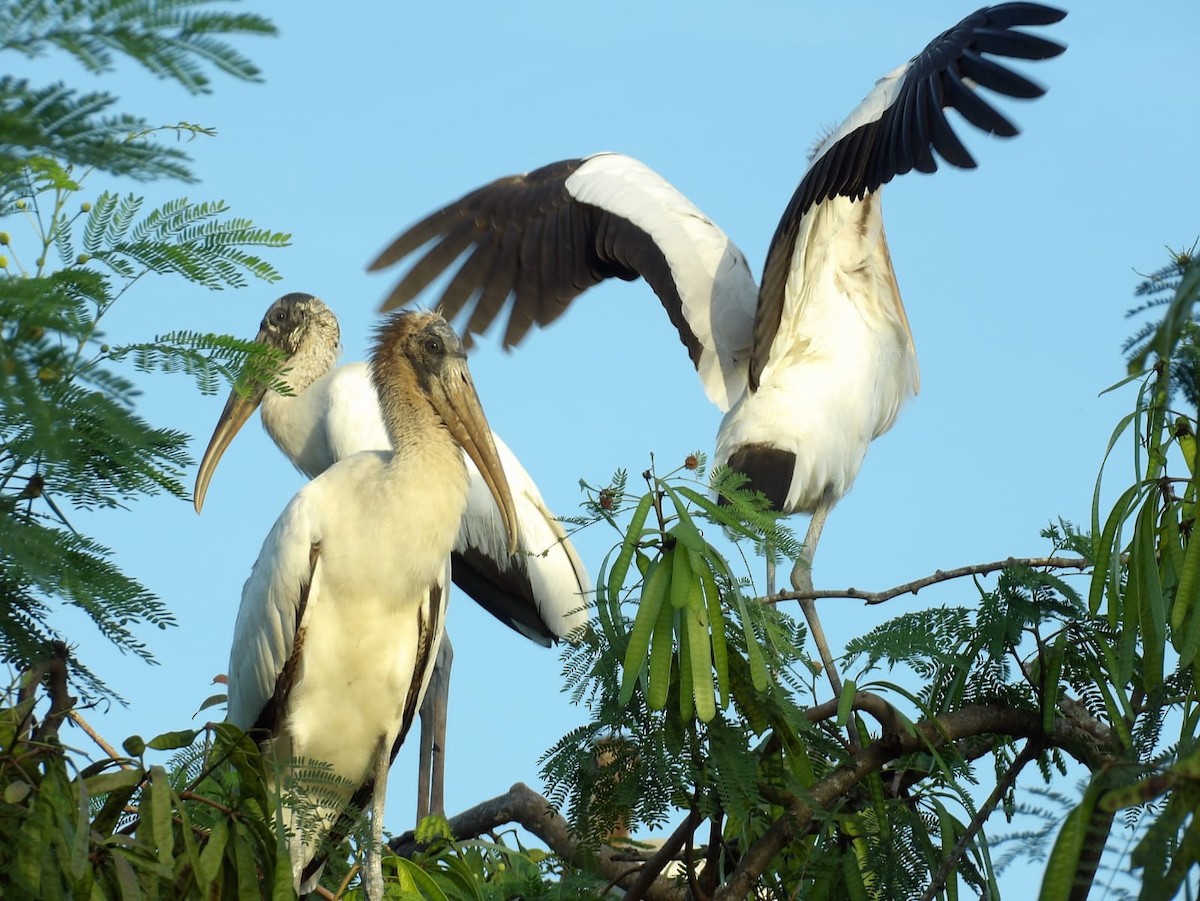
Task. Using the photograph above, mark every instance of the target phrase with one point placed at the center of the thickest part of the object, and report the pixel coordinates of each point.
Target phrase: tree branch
(527, 808)
(941, 575)
(95, 736)
(522, 805)
(950, 864)
(656, 862)
(883, 712)
(950, 727)
(52, 673)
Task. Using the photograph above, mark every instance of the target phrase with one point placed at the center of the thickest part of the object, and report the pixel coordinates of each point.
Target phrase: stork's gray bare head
(298, 325)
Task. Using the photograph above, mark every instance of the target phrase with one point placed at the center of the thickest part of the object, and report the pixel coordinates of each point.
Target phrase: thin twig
(96, 737)
(1027, 755)
(342, 889)
(941, 575)
(200, 799)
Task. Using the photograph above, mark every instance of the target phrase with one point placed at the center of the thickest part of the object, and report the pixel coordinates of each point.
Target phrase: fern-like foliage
(70, 435)
(174, 40)
(46, 129)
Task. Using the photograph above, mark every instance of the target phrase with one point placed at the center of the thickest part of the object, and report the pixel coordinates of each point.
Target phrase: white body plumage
(842, 362)
(367, 604)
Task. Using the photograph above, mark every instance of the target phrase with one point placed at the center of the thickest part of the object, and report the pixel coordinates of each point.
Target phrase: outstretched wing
(535, 242)
(900, 124)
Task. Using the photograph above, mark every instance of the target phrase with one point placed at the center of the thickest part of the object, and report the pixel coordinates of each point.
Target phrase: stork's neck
(313, 359)
(411, 423)
(417, 433)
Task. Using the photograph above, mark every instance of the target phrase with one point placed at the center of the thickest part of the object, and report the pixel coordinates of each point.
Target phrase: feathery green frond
(173, 40)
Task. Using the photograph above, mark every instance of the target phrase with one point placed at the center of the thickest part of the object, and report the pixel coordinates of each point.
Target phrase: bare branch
(95, 736)
(522, 805)
(865, 701)
(53, 674)
(941, 575)
(655, 864)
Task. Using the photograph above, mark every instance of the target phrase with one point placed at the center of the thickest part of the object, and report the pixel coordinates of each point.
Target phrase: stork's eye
(434, 345)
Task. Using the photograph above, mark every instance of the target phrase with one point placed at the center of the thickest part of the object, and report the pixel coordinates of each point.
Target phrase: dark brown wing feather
(504, 593)
(527, 244)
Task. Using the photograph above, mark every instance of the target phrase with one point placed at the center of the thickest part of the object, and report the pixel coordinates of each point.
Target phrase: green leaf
(754, 655)
(716, 624)
(1052, 673)
(161, 827)
(687, 706)
(170, 741)
(654, 594)
(633, 534)
(1153, 614)
(103, 783)
(661, 654)
(1103, 574)
(846, 702)
(1185, 611)
(414, 879)
(1058, 881)
(209, 863)
(246, 867)
(701, 667)
(213, 701)
(681, 577)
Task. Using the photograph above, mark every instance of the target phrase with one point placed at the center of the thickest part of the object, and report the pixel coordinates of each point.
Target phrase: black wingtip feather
(1016, 44)
(906, 134)
(995, 77)
(1007, 15)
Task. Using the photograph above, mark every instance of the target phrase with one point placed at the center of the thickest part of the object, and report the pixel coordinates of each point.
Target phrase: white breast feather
(842, 362)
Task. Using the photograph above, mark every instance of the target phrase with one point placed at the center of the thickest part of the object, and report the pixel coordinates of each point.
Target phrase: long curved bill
(453, 396)
(238, 409)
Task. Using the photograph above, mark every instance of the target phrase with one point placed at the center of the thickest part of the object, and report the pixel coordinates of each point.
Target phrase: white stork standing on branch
(342, 615)
(810, 366)
(333, 412)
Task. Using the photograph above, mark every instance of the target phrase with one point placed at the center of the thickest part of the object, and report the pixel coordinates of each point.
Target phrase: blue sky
(1015, 276)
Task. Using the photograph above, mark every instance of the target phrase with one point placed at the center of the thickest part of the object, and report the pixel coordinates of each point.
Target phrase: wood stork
(342, 614)
(333, 412)
(813, 365)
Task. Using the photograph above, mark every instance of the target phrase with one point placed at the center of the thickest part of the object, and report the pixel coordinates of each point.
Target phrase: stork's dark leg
(431, 779)
(802, 582)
